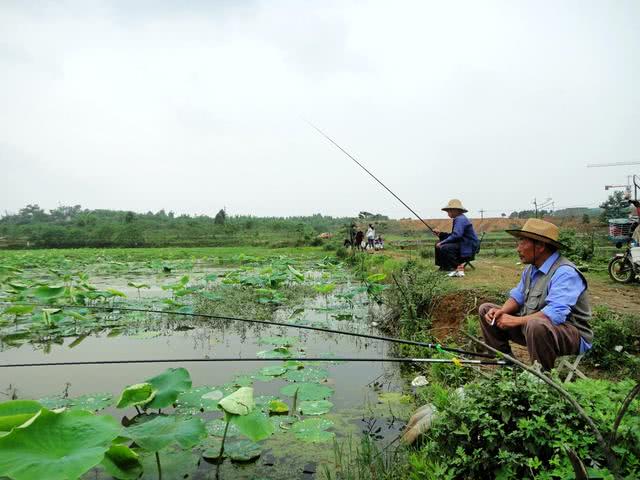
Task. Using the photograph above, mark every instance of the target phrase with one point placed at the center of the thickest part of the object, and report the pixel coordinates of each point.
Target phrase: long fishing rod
(455, 361)
(435, 346)
(372, 175)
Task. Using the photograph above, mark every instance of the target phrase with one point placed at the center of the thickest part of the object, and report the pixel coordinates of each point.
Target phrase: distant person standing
(371, 235)
(359, 239)
(454, 248)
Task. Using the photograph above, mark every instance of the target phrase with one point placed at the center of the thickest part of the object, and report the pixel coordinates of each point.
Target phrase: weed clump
(513, 427)
(616, 342)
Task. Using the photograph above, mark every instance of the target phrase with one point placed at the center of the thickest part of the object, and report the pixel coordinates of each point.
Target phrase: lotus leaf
(243, 450)
(283, 423)
(15, 412)
(46, 292)
(308, 374)
(313, 430)
(293, 365)
(18, 310)
(297, 274)
(56, 445)
(278, 407)
(278, 352)
(175, 464)
(162, 431)
(121, 462)
(307, 391)
(138, 394)
(273, 371)
(211, 449)
(93, 402)
(256, 425)
(316, 407)
(199, 399)
(216, 428)
(169, 384)
(239, 402)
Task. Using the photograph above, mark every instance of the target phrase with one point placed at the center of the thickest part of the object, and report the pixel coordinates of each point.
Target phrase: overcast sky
(195, 105)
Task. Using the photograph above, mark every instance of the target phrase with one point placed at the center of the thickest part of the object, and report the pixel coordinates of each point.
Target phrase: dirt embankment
(495, 224)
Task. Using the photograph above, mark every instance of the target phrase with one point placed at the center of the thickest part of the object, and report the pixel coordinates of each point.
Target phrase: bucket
(635, 254)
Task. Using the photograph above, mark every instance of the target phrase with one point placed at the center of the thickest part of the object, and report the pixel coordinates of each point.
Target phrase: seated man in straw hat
(548, 311)
(461, 244)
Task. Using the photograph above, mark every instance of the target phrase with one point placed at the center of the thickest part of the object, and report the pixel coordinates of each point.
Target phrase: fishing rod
(372, 175)
(455, 361)
(435, 346)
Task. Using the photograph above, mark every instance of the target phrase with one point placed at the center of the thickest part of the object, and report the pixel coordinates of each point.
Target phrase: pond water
(361, 404)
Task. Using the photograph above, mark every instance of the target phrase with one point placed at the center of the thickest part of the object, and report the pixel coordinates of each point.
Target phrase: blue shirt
(463, 233)
(565, 287)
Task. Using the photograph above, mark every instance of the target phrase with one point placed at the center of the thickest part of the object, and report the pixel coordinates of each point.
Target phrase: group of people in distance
(548, 311)
(361, 241)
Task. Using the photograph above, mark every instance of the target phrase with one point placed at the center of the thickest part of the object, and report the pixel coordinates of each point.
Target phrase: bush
(579, 249)
(515, 427)
(616, 341)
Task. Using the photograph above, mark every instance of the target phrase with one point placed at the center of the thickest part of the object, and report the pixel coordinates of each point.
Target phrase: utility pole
(535, 204)
(481, 213)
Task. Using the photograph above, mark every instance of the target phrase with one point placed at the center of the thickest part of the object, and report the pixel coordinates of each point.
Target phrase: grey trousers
(544, 340)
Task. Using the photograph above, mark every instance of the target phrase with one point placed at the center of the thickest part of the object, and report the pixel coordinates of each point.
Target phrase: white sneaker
(456, 273)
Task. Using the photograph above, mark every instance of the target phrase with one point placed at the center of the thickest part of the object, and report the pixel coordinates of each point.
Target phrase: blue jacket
(463, 234)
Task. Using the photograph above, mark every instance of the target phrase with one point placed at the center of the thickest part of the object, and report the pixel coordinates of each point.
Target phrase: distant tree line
(74, 227)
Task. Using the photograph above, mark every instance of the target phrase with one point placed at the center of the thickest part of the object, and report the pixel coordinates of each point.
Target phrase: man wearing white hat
(456, 247)
(548, 311)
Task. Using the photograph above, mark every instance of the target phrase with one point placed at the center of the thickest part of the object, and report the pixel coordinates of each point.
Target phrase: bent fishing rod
(435, 346)
(456, 361)
(372, 175)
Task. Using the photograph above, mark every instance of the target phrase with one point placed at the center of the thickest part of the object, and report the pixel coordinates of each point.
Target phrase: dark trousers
(448, 256)
(545, 341)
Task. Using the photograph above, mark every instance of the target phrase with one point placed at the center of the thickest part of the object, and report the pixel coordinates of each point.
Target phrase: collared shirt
(565, 287)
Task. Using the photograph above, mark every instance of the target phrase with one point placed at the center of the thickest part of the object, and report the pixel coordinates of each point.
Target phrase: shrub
(516, 427)
(578, 249)
(616, 341)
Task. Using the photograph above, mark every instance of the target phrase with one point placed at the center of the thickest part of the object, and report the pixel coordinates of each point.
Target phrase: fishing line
(455, 361)
(435, 346)
(372, 175)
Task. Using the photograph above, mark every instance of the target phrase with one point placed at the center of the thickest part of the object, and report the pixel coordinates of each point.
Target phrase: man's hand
(436, 232)
(438, 245)
(509, 321)
(492, 315)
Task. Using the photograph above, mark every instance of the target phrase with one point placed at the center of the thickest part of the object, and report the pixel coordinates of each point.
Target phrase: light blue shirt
(565, 287)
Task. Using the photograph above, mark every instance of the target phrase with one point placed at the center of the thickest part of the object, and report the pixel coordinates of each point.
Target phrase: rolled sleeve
(564, 289)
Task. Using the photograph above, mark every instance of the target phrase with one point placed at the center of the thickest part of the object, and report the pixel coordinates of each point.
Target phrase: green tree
(585, 218)
(616, 206)
(221, 217)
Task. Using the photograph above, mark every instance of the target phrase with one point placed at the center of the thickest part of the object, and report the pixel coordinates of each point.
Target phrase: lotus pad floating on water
(199, 399)
(278, 407)
(307, 391)
(307, 374)
(216, 428)
(316, 407)
(313, 430)
(243, 450)
(273, 371)
(56, 445)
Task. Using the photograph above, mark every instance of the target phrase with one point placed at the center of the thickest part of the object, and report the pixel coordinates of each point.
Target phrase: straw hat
(539, 230)
(454, 204)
